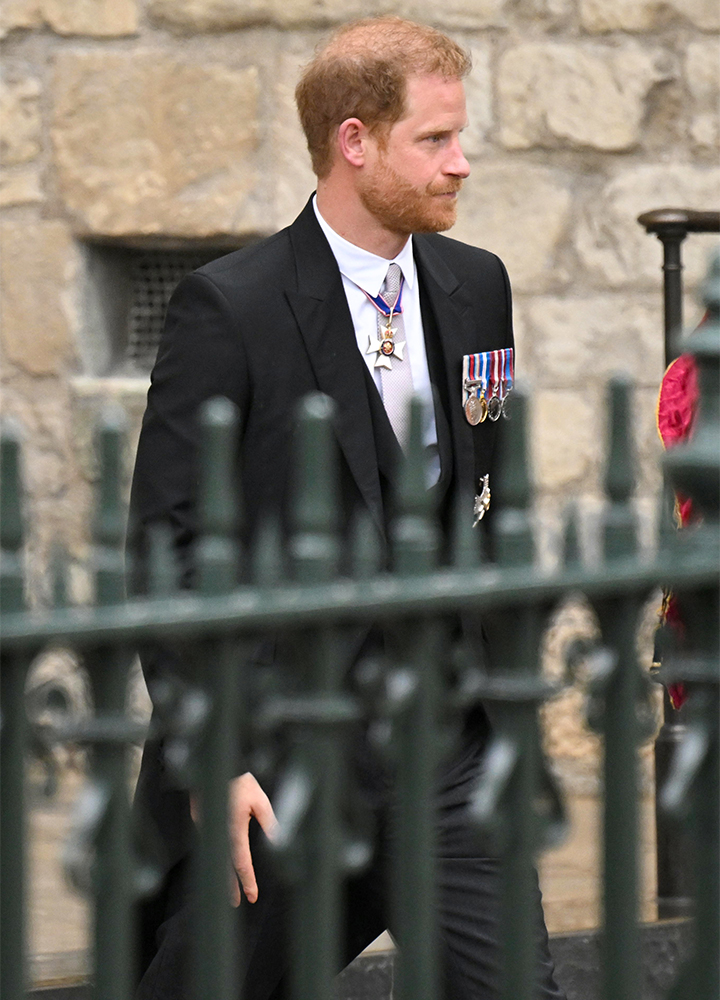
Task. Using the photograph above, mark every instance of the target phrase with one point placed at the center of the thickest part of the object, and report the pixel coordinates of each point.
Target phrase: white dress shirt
(362, 272)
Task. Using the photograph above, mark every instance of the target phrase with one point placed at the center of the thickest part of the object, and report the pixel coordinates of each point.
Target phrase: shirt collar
(365, 269)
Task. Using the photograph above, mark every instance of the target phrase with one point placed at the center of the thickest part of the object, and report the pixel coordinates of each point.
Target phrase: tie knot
(391, 285)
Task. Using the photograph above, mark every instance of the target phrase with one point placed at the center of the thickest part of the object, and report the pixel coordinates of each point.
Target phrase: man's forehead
(433, 95)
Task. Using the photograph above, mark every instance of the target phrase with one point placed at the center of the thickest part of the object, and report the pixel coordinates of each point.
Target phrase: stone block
(454, 14)
(97, 18)
(210, 15)
(37, 272)
(479, 91)
(565, 440)
(551, 12)
(702, 70)
(19, 121)
(147, 143)
(647, 15)
(20, 186)
(583, 341)
(293, 178)
(616, 251)
(556, 94)
(229, 15)
(519, 211)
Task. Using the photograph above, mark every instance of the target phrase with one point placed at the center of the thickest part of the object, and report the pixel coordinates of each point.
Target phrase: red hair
(362, 71)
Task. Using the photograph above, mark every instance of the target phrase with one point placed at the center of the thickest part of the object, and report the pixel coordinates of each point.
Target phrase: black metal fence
(673, 851)
(415, 701)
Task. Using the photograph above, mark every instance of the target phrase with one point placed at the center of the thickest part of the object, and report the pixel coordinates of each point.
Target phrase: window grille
(154, 275)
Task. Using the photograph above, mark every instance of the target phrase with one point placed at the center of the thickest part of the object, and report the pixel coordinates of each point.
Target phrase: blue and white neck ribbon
(384, 346)
(382, 306)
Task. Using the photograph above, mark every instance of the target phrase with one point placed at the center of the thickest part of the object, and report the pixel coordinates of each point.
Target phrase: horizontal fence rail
(414, 700)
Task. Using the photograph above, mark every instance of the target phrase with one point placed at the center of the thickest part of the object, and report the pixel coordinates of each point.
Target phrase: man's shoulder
(455, 252)
(252, 264)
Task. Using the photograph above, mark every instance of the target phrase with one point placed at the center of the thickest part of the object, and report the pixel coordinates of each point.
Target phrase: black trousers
(469, 893)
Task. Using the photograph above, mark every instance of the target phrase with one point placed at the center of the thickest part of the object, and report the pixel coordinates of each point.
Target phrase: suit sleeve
(200, 356)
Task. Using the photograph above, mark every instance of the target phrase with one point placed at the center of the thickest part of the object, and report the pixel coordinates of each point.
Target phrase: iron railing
(673, 855)
(416, 701)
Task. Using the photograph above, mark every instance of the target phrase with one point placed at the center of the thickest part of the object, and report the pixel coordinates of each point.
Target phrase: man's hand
(245, 799)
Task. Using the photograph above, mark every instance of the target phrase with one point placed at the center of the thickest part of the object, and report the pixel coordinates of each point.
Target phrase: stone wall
(149, 119)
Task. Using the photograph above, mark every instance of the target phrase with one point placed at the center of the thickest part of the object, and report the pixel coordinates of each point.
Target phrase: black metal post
(674, 865)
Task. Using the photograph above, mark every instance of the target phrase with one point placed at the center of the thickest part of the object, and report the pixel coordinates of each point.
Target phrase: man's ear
(351, 140)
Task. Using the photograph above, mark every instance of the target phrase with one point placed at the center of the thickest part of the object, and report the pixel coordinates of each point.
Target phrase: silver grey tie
(396, 382)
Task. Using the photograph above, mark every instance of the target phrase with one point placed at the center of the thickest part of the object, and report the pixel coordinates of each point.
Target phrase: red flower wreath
(676, 410)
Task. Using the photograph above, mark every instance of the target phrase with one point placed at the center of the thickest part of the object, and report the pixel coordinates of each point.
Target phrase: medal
(494, 407)
(507, 380)
(384, 345)
(487, 383)
(475, 410)
(495, 403)
(482, 501)
(474, 380)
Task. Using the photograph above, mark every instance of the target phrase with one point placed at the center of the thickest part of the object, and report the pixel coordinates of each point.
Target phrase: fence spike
(314, 544)
(571, 542)
(109, 515)
(11, 525)
(11, 521)
(109, 523)
(466, 539)
(414, 533)
(220, 677)
(512, 489)
(366, 552)
(619, 475)
(219, 507)
(620, 536)
(13, 731)
(267, 561)
(315, 548)
(58, 562)
(667, 520)
(219, 513)
(413, 495)
(163, 568)
(108, 668)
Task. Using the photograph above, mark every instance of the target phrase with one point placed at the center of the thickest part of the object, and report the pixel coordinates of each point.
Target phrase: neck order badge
(385, 345)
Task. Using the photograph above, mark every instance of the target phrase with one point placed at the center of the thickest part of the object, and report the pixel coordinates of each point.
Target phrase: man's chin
(439, 223)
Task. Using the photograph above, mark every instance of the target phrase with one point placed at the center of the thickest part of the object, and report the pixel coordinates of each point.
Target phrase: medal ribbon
(507, 382)
(382, 306)
(492, 371)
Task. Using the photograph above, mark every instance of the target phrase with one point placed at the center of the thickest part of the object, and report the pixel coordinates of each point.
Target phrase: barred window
(154, 276)
(126, 293)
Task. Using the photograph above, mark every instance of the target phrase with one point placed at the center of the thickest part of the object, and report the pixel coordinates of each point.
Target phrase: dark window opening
(155, 274)
(127, 294)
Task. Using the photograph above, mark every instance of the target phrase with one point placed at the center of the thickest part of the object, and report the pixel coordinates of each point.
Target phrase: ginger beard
(403, 208)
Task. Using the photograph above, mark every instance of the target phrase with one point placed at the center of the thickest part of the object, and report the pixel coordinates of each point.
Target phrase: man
(360, 299)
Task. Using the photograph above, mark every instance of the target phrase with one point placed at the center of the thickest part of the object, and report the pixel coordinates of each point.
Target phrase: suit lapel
(322, 314)
(451, 313)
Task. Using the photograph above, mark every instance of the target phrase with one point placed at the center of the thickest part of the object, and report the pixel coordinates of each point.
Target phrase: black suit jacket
(264, 326)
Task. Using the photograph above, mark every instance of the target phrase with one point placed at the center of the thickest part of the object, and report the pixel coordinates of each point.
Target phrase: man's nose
(457, 165)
